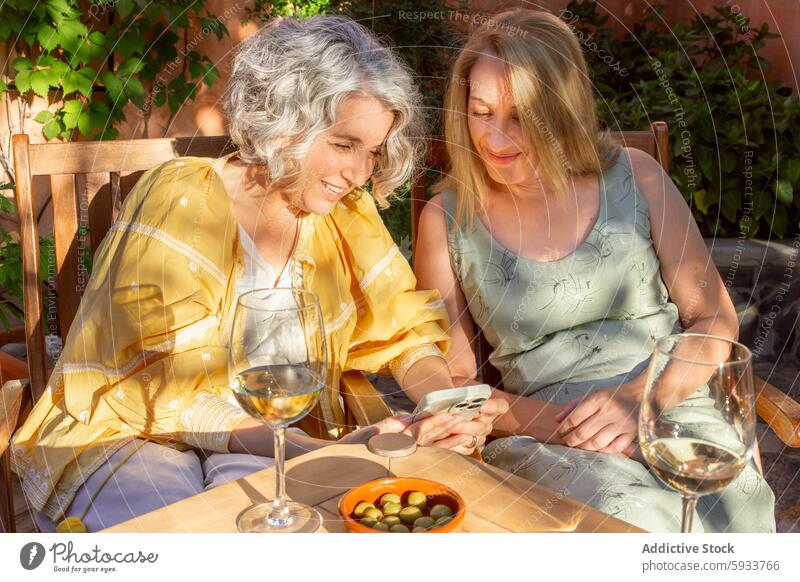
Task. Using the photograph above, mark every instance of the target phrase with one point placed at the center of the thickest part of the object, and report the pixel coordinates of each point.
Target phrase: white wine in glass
(278, 368)
(697, 418)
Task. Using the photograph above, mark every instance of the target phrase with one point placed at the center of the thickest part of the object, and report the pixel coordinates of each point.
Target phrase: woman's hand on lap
(604, 421)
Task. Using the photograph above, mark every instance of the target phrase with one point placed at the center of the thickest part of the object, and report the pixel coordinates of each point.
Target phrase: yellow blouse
(146, 356)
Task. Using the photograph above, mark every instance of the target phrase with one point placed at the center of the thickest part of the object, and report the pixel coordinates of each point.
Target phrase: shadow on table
(316, 481)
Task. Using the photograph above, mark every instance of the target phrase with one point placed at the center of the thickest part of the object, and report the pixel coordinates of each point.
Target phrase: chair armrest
(12, 399)
(363, 403)
(779, 411)
(12, 368)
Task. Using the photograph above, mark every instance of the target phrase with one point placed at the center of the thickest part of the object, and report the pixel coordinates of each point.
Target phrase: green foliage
(117, 45)
(734, 139)
(11, 265)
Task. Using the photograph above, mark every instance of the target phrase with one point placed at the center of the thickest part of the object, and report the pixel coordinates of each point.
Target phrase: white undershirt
(258, 273)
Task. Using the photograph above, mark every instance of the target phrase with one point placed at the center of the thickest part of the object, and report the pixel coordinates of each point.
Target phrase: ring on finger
(473, 443)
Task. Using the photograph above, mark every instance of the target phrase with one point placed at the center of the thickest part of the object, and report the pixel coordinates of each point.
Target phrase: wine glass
(697, 418)
(277, 369)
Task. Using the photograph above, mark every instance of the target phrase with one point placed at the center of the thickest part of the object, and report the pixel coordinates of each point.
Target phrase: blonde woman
(573, 255)
(139, 412)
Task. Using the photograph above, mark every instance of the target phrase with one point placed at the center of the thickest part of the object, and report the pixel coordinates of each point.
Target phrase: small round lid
(392, 445)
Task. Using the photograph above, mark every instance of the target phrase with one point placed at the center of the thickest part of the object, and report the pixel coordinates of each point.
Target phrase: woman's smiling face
(344, 156)
(494, 125)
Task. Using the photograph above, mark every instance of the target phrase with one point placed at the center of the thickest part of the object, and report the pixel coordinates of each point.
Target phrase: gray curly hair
(288, 80)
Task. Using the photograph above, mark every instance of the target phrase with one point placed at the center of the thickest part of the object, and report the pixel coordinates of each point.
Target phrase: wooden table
(497, 501)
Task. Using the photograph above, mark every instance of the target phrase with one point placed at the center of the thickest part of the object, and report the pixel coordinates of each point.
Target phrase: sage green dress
(562, 329)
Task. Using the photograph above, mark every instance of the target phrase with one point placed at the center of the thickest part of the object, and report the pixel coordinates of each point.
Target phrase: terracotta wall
(203, 116)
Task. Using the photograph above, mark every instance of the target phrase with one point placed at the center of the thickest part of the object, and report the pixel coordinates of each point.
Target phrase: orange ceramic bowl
(373, 490)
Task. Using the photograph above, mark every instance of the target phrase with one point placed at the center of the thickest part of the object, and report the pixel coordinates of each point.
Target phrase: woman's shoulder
(181, 188)
(646, 172)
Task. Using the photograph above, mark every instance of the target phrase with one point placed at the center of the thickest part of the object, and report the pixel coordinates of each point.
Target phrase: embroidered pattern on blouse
(378, 267)
(208, 422)
(181, 338)
(175, 244)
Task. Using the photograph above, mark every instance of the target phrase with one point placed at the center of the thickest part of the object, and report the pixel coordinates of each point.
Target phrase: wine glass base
(302, 519)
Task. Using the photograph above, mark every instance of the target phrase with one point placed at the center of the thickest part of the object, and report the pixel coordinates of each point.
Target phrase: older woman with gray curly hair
(317, 108)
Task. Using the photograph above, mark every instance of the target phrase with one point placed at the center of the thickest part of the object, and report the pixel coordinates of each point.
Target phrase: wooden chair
(89, 181)
(778, 410)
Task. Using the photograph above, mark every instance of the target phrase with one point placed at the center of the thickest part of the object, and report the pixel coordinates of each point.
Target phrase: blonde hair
(551, 89)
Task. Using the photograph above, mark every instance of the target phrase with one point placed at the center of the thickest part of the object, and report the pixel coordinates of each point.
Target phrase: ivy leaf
(794, 170)
(87, 52)
(48, 37)
(85, 123)
(701, 201)
(212, 74)
(43, 116)
(97, 38)
(71, 111)
(85, 80)
(70, 33)
(40, 83)
(196, 69)
(115, 88)
(130, 67)
(5, 28)
(124, 8)
(59, 10)
(160, 98)
(22, 64)
(69, 82)
(135, 91)
(132, 42)
(96, 117)
(779, 221)
(23, 81)
(52, 129)
(109, 133)
(783, 188)
(56, 72)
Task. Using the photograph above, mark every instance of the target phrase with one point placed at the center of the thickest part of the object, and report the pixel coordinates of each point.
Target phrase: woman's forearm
(426, 375)
(256, 438)
(527, 416)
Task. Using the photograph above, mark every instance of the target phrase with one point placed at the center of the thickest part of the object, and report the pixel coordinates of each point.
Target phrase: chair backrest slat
(68, 245)
(120, 155)
(31, 292)
(97, 189)
(89, 181)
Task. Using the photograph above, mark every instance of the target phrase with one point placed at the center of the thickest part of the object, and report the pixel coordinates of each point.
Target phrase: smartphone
(465, 401)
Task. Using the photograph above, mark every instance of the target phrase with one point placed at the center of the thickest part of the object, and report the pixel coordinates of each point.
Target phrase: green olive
(391, 508)
(368, 521)
(440, 510)
(419, 530)
(417, 499)
(381, 526)
(391, 520)
(374, 512)
(424, 522)
(410, 514)
(443, 520)
(361, 508)
(389, 498)
(399, 528)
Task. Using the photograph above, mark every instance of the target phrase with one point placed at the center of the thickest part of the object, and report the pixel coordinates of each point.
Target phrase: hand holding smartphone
(465, 401)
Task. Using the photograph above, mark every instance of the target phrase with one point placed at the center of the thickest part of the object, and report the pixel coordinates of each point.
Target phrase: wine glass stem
(280, 515)
(689, 502)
